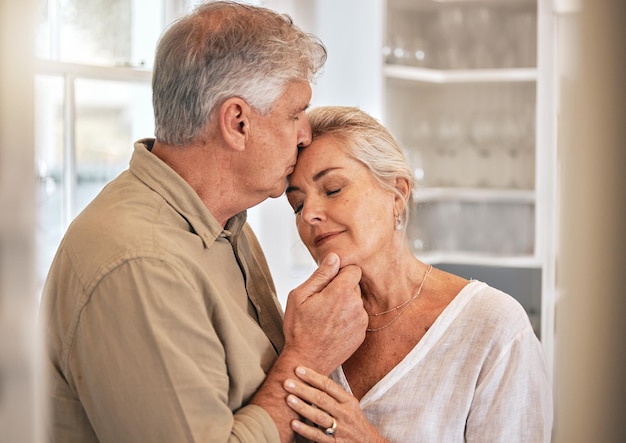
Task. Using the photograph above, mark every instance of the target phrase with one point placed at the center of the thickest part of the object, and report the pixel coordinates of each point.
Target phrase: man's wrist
(271, 396)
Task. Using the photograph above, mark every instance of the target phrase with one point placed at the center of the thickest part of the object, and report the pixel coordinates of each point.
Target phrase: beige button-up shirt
(160, 324)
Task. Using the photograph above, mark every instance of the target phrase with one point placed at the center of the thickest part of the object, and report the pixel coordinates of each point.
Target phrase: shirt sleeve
(513, 401)
(149, 365)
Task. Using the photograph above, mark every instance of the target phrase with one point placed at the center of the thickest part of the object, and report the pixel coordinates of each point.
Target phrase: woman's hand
(320, 400)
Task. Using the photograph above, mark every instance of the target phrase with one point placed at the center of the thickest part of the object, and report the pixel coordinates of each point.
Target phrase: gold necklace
(402, 306)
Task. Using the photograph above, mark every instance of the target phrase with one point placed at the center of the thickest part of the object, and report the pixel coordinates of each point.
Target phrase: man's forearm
(271, 395)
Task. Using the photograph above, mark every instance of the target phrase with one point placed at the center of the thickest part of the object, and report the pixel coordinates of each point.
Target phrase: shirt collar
(163, 180)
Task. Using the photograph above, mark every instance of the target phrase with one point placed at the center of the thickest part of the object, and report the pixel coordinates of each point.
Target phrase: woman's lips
(320, 239)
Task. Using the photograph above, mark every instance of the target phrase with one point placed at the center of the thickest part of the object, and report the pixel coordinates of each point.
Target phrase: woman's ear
(403, 186)
(234, 122)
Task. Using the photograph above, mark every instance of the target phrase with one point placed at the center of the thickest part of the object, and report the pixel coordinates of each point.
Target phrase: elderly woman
(444, 359)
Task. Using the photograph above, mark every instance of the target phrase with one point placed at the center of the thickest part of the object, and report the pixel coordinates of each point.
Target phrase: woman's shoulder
(494, 309)
(496, 299)
(444, 286)
(474, 295)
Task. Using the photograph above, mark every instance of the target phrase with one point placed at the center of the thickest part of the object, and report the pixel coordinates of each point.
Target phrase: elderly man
(161, 315)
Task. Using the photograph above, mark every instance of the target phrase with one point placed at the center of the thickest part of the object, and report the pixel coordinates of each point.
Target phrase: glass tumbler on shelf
(495, 228)
(397, 49)
(451, 136)
(527, 145)
(419, 150)
(420, 52)
(479, 20)
(451, 34)
(518, 137)
(483, 137)
(406, 42)
(503, 47)
(522, 25)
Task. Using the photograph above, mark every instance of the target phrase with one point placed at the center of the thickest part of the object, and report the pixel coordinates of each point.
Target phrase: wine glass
(451, 136)
(452, 35)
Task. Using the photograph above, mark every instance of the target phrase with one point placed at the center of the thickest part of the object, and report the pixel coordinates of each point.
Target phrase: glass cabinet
(460, 82)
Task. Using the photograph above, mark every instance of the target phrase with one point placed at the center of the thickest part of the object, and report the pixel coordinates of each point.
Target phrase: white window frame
(71, 72)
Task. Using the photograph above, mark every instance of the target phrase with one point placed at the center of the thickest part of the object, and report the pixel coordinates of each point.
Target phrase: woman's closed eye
(297, 206)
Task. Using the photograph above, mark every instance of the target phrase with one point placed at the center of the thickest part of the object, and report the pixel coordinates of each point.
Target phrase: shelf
(475, 195)
(426, 75)
(478, 259)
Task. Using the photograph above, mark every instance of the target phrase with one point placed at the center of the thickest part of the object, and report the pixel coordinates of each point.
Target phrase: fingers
(329, 301)
(316, 420)
(347, 280)
(314, 396)
(310, 402)
(310, 411)
(317, 390)
(312, 433)
(327, 270)
(328, 277)
(322, 383)
(328, 412)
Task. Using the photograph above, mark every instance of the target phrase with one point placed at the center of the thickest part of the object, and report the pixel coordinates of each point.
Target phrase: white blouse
(477, 375)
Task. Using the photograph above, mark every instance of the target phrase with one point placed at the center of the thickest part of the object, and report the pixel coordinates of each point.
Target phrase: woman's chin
(344, 258)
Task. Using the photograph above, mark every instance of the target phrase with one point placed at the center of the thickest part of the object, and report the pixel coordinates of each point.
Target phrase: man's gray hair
(225, 49)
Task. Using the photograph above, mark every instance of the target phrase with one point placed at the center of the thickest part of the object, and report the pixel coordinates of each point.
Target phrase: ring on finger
(332, 429)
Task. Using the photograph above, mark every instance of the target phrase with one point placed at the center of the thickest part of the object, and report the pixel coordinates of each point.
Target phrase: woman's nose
(312, 212)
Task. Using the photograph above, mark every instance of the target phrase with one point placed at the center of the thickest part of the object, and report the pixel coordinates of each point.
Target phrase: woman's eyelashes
(297, 207)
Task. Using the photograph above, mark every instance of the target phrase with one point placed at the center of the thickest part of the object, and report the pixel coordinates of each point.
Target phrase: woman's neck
(385, 288)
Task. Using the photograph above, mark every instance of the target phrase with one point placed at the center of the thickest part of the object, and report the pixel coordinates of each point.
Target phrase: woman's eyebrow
(316, 177)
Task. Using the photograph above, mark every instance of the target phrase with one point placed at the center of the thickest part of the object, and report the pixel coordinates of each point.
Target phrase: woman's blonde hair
(366, 140)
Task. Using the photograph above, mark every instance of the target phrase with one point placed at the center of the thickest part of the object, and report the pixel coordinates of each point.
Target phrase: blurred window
(93, 100)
